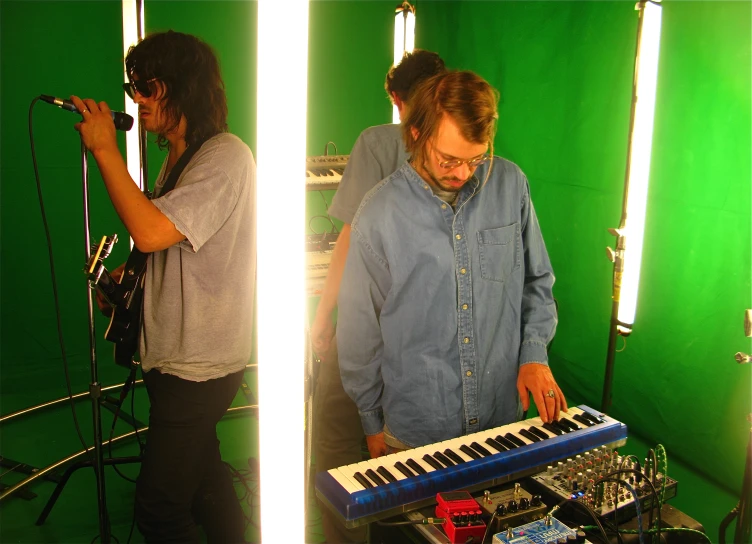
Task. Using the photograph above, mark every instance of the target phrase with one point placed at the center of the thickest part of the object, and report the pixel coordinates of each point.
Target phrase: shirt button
(458, 236)
(468, 373)
(464, 306)
(466, 340)
(443, 206)
(462, 271)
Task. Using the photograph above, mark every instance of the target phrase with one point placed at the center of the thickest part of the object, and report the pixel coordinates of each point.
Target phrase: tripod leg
(59, 489)
(69, 472)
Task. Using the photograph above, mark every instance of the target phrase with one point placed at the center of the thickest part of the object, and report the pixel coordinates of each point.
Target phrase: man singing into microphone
(199, 283)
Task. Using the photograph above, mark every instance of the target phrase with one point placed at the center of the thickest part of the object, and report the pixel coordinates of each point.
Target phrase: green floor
(42, 438)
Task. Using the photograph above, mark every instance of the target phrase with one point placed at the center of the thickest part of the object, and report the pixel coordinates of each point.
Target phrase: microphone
(123, 121)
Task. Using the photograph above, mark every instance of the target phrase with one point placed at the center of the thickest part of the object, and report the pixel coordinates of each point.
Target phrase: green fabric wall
(564, 70)
(56, 48)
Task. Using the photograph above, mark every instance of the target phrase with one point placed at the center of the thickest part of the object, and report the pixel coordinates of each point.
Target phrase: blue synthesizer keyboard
(400, 482)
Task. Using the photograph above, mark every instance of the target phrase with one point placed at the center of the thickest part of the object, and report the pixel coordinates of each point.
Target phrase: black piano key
(415, 466)
(480, 449)
(375, 478)
(591, 417)
(388, 476)
(583, 420)
(530, 436)
(467, 450)
(444, 459)
(573, 426)
(553, 429)
(433, 462)
(403, 469)
(495, 445)
(559, 425)
(506, 443)
(512, 438)
(453, 456)
(537, 432)
(362, 480)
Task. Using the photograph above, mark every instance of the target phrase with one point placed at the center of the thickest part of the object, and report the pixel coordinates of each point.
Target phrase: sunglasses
(140, 86)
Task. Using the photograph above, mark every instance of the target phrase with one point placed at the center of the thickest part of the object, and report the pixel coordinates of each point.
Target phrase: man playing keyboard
(446, 304)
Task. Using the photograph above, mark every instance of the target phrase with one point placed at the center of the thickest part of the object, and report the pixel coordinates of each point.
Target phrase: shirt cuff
(533, 352)
(373, 421)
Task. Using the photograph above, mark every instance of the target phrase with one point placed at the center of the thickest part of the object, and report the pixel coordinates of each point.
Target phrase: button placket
(465, 325)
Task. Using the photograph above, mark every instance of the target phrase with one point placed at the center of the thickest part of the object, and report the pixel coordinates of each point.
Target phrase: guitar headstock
(95, 266)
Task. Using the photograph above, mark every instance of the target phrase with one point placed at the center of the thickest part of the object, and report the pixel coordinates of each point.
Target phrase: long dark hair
(189, 70)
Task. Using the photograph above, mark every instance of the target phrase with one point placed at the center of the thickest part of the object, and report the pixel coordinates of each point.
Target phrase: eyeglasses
(140, 86)
(472, 163)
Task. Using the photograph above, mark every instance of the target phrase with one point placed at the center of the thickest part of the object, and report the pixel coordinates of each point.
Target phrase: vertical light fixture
(404, 38)
(133, 30)
(281, 150)
(627, 256)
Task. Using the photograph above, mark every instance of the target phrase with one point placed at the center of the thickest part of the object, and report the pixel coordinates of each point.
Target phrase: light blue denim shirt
(437, 308)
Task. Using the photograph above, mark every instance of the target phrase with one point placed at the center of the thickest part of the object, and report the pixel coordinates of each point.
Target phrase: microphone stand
(95, 388)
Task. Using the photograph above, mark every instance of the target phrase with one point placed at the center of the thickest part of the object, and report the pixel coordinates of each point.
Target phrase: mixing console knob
(549, 471)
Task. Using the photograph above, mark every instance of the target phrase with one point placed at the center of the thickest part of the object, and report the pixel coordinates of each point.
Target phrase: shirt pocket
(499, 251)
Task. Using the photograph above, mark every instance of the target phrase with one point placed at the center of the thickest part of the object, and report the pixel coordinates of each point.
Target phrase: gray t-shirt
(377, 153)
(199, 293)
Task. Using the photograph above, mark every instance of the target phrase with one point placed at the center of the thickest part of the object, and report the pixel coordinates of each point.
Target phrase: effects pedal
(541, 531)
(463, 515)
(511, 507)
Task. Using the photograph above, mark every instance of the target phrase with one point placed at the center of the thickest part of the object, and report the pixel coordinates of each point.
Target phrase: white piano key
(350, 471)
(349, 484)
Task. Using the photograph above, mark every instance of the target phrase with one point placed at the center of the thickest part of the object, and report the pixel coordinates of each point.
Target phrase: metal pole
(95, 388)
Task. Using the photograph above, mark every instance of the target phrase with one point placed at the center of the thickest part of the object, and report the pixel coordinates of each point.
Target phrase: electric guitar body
(125, 298)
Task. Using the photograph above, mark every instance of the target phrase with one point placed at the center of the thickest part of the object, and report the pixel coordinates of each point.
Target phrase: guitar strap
(139, 258)
(172, 178)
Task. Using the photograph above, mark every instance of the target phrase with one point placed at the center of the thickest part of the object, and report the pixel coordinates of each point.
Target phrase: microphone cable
(53, 277)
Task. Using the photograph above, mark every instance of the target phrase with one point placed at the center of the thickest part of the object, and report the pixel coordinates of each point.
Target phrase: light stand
(404, 39)
(627, 256)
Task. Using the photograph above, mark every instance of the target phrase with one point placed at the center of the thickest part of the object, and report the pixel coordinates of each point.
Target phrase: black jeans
(183, 481)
